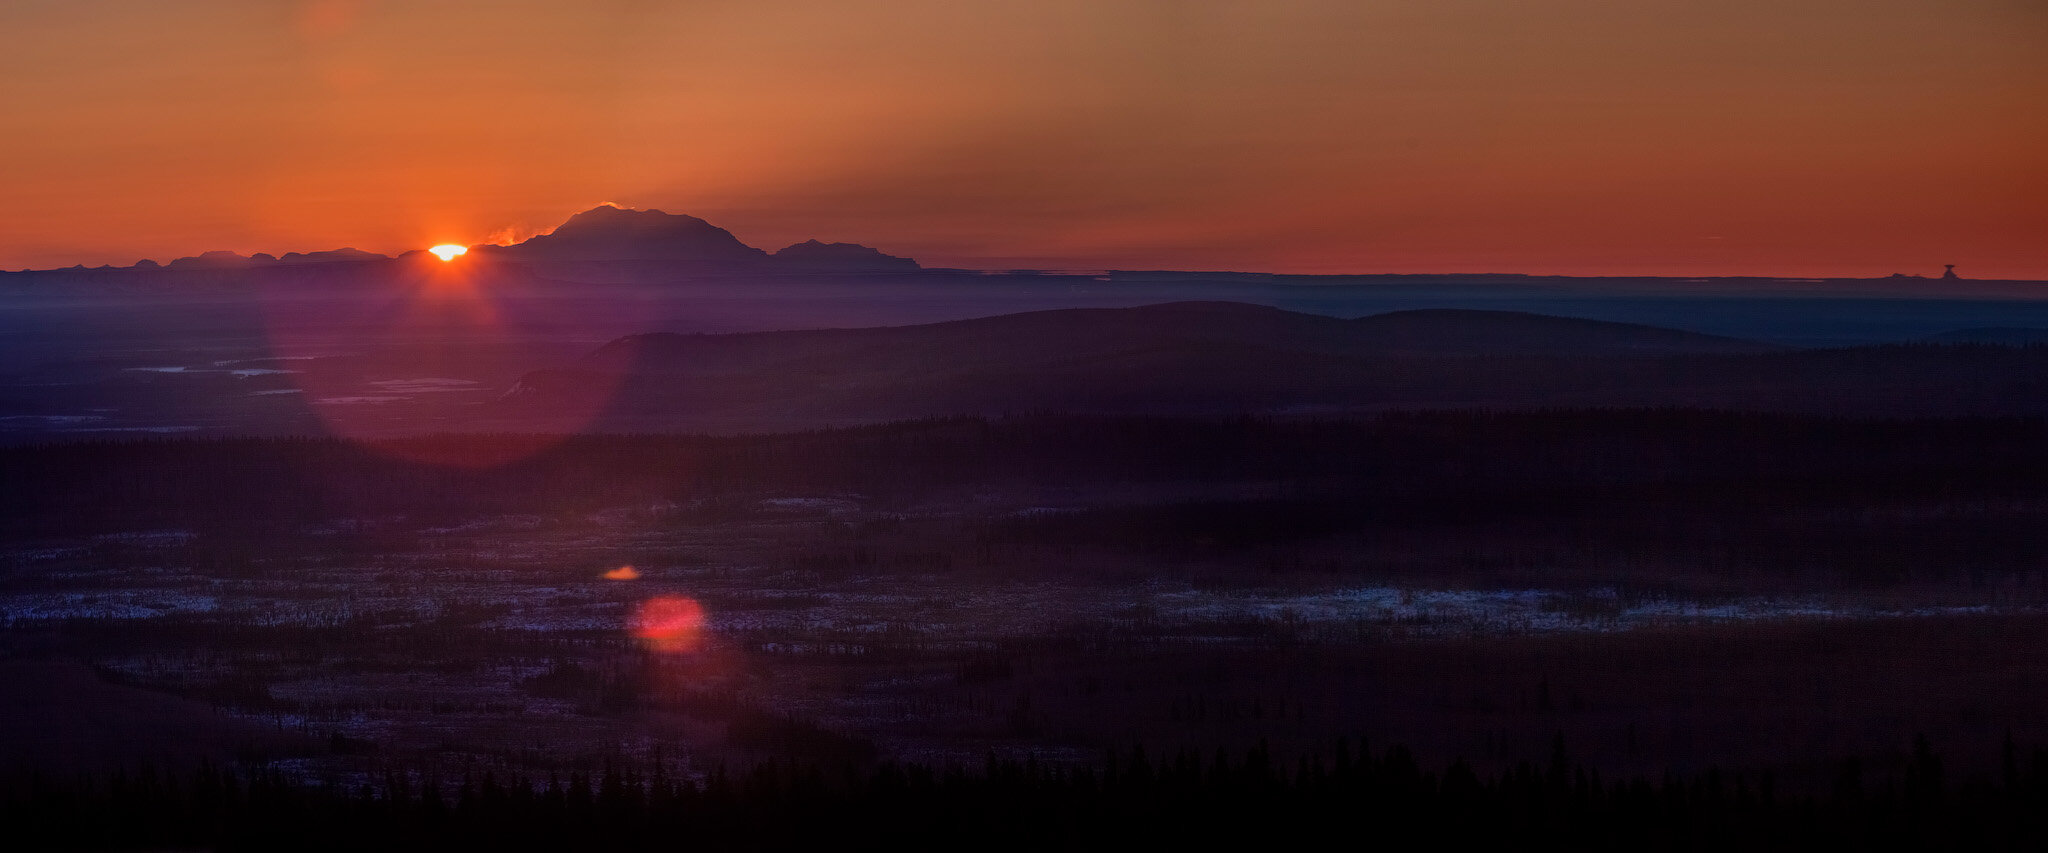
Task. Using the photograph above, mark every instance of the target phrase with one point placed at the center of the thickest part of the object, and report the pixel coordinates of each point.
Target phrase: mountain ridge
(607, 233)
(602, 234)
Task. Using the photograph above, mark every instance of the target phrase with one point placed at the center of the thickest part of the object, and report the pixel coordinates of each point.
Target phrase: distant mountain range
(610, 245)
(608, 233)
(600, 235)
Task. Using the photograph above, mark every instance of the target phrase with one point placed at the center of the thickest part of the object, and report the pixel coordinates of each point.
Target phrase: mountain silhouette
(223, 260)
(215, 260)
(607, 233)
(336, 256)
(603, 234)
(814, 256)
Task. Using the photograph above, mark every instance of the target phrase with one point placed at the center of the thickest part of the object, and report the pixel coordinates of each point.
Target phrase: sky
(1653, 137)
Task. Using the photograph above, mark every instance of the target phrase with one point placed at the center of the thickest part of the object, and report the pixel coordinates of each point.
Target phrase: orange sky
(1791, 137)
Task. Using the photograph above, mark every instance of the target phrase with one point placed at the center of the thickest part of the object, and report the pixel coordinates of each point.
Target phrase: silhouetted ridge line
(607, 233)
(603, 234)
(814, 256)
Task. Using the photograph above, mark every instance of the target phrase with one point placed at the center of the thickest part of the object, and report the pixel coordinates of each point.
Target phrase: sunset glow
(1046, 396)
(1823, 137)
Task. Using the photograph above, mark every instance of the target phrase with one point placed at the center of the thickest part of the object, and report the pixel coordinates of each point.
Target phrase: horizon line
(276, 260)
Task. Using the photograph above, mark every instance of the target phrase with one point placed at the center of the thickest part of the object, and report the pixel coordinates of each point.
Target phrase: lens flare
(670, 623)
(623, 573)
(448, 251)
(445, 343)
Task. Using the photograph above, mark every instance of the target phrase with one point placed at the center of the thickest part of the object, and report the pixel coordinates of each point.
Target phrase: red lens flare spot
(623, 573)
(670, 623)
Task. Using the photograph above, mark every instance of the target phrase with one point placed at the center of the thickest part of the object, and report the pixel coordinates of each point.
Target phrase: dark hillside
(1205, 358)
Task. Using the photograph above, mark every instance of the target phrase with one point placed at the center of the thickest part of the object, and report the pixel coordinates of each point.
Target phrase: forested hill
(1067, 335)
(1202, 358)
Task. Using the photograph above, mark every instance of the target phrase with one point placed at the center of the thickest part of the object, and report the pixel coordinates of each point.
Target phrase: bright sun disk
(448, 251)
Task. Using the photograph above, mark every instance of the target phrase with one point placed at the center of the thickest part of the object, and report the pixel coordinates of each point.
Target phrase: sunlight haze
(1818, 137)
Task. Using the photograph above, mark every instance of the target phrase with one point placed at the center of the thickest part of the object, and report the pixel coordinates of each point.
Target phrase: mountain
(216, 260)
(223, 260)
(651, 241)
(607, 233)
(336, 256)
(813, 256)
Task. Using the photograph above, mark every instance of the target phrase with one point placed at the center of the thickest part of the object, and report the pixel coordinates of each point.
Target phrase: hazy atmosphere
(1125, 425)
(1588, 137)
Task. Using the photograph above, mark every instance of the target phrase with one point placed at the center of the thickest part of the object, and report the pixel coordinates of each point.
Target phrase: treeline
(1360, 798)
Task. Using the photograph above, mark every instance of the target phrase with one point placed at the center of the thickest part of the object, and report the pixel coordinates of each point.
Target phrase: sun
(448, 251)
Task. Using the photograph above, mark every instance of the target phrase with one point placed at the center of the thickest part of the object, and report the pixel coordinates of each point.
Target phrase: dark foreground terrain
(1616, 627)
